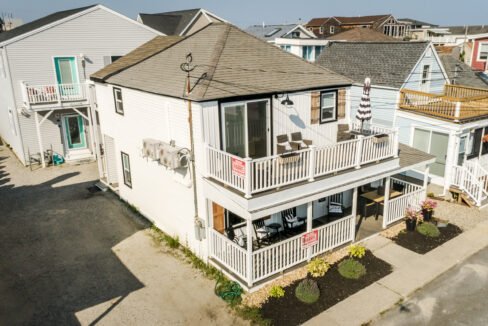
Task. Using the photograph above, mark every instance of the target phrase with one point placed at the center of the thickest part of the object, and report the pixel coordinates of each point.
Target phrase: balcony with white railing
(252, 176)
(53, 93)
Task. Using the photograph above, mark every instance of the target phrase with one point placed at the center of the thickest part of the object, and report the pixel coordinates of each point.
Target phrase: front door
(246, 128)
(67, 77)
(74, 129)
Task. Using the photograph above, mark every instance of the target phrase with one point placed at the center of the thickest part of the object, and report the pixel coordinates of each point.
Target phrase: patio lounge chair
(296, 137)
(284, 145)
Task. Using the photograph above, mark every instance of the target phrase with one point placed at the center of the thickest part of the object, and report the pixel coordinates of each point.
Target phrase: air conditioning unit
(173, 157)
(150, 148)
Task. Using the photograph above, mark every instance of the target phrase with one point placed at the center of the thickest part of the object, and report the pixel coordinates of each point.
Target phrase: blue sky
(247, 12)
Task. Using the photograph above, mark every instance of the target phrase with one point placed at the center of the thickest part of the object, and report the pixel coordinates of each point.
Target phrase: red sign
(310, 239)
(238, 167)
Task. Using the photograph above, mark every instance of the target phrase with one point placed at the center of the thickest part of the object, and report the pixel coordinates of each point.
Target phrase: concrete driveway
(456, 298)
(71, 257)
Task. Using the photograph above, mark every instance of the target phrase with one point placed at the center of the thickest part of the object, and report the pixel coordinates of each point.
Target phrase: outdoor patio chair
(237, 237)
(284, 145)
(296, 137)
(398, 187)
(262, 232)
(336, 208)
(290, 219)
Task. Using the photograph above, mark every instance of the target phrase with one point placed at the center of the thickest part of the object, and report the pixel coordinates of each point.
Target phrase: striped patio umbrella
(364, 110)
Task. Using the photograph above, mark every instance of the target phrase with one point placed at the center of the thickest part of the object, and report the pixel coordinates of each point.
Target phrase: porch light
(287, 101)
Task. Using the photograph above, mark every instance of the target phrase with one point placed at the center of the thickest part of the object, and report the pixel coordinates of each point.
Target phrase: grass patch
(351, 269)
(429, 230)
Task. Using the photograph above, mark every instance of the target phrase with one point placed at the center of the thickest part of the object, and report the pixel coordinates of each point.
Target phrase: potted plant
(428, 207)
(411, 218)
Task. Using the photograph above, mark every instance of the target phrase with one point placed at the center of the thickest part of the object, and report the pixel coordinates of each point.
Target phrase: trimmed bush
(428, 229)
(318, 267)
(276, 292)
(357, 251)
(351, 269)
(307, 291)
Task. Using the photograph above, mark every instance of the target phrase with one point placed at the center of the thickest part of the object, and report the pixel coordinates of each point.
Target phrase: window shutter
(341, 103)
(315, 108)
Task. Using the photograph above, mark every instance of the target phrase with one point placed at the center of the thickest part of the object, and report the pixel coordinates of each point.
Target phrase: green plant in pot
(428, 207)
(412, 216)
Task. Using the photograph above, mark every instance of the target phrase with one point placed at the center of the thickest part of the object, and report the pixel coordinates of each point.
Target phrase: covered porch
(288, 237)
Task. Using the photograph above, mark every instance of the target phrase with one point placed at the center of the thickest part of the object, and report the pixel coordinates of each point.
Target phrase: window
(318, 51)
(425, 74)
(332, 29)
(483, 53)
(328, 106)
(307, 53)
(321, 29)
(119, 105)
(287, 48)
(126, 169)
(295, 35)
(434, 143)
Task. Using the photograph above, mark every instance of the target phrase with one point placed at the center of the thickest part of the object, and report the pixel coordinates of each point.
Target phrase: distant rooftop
(270, 32)
(473, 29)
(417, 22)
(361, 34)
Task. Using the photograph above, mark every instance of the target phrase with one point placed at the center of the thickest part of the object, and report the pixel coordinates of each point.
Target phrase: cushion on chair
(335, 208)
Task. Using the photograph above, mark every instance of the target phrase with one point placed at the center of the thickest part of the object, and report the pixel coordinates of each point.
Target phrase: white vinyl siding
(436, 79)
(383, 104)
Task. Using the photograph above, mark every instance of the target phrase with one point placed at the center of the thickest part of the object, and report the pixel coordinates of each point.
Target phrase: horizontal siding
(162, 195)
(383, 104)
(95, 35)
(437, 77)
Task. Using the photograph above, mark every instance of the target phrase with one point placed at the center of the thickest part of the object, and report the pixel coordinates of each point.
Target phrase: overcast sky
(247, 12)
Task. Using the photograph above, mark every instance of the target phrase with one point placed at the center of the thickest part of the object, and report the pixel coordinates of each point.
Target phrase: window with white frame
(332, 29)
(318, 51)
(286, 48)
(119, 104)
(483, 52)
(328, 106)
(307, 53)
(321, 29)
(425, 74)
(126, 169)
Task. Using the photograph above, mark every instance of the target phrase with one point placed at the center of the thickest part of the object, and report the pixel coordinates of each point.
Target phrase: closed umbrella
(364, 110)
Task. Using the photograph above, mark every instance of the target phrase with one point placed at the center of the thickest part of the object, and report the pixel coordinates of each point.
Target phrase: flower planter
(411, 224)
(380, 139)
(427, 214)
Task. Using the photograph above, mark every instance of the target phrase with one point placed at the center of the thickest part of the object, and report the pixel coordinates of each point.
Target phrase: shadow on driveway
(55, 250)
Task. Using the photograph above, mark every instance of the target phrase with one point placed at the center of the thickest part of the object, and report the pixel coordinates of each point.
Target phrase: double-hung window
(425, 74)
(332, 29)
(126, 169)
(328, 106)
(119, 105)
(483, 53)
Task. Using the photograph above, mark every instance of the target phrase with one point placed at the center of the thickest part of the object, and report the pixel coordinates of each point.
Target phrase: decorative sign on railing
(310, 239)
(238, 167)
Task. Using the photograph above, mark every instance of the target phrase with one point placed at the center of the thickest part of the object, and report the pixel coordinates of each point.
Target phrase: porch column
(249, 266)
(39, 138)
(355, 202)
(387, 201)
(309, 225)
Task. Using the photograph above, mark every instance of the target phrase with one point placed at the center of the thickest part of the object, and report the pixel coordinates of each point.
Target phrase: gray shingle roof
(465, 75)
(264, 32)
(171, 22)
(38, 23)
(236, 64)
(386, 63)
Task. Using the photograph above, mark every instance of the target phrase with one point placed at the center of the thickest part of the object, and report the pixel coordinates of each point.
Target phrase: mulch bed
(334, 288)
(421, 244)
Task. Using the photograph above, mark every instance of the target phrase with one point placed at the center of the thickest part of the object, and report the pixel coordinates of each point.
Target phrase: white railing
(466, 181)
(228, 253)
(412, 196)
(253, 176)
(479, 172)
(44, 94)
(285, 254)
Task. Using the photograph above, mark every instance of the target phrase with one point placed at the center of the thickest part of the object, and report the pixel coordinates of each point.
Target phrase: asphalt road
(459, 297)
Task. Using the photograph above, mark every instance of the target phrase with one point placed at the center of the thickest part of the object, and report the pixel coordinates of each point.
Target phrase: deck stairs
(470, 184)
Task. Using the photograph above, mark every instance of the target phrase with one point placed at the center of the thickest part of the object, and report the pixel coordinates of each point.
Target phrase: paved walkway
(71, 257)
(411, 272)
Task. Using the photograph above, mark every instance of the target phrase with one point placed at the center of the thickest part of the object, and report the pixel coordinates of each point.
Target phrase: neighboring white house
(293, 38)
(216, 160)
(411, 91)
(45, 101)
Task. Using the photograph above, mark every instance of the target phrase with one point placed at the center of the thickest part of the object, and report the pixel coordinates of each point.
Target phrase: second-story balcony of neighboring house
(303, 163)
(53, 94)
(456, 104)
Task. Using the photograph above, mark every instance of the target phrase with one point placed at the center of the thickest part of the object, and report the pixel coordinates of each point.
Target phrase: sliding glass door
(246, 128)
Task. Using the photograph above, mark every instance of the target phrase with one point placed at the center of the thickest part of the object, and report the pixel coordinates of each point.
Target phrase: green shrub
(428, 229)
(352, 269)
(430, 195)
(276, 292)
(307, 291)
(357, 251)
(318, 267)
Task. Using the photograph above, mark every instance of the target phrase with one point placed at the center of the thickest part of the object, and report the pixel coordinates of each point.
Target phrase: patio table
(378, 199)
